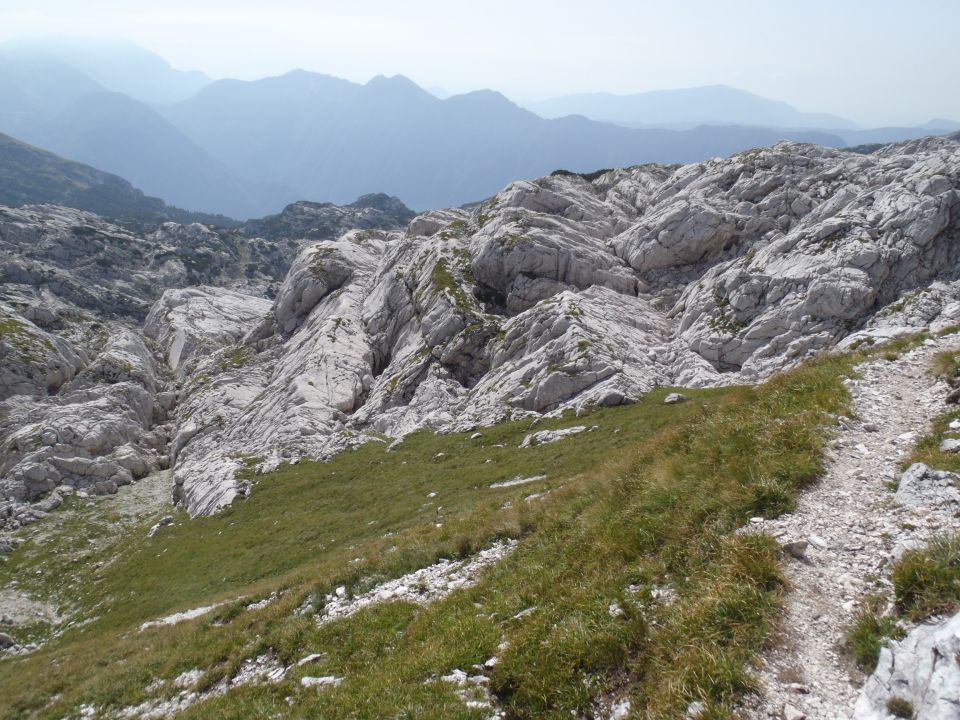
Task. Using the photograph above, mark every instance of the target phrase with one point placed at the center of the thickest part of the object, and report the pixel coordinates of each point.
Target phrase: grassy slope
(646, 499)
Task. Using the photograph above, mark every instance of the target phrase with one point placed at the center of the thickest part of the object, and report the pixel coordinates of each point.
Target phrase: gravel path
(854, 529)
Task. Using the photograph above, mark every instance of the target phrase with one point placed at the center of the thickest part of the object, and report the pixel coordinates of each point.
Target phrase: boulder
(922, 486)
(921, 669)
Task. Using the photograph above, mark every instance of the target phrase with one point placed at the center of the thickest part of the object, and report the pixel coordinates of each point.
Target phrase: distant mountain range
(719, 105)
(329, 138)
(686, 108)
(115, 65)
(51, 104)
(246, 149)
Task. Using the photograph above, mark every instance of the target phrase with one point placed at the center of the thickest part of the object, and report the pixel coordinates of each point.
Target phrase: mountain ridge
(459, 148)
(681, 107)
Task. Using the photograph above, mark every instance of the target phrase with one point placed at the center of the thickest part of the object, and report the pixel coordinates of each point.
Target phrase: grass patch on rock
(868, 634)
(926, 582)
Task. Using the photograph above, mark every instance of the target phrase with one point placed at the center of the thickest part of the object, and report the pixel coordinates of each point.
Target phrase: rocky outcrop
(322, 221)
(189, 324)
(922, 486)
(921, 672)
(33, 361)
(566, 293)
(560, 293)
(87, 392)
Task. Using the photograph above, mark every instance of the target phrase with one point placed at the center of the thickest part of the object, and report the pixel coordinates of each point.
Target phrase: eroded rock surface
(557, 294)
(922, 669)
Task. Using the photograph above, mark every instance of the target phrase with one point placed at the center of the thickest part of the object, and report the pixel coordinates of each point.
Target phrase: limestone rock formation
(302, 334)
(922, 670)
(101, 332)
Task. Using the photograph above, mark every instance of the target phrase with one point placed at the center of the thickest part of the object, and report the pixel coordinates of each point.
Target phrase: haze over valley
(247, 148)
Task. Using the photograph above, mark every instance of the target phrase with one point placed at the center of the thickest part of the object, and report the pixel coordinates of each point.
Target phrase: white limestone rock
(921, 669)
(188, 324)
(557, 294)
(32, 361)
(922, 486)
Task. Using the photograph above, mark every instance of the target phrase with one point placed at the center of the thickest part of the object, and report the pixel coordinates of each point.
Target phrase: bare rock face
(102, 331)
(189, 324)
(921, 670)
(922, 486)
(563, 293)
(560, 293)
(32, 361)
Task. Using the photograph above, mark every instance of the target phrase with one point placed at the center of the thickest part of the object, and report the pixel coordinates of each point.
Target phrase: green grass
(646, 500)
(900, 707)
(235, 357)
(945, 365)
(927, 581)
(867, 635)
(445, 282)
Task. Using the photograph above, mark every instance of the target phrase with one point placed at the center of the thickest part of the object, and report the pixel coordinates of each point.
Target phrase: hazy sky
(874, 61)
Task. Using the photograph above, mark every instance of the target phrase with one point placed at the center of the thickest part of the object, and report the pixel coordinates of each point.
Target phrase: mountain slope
(334, 139)
(123, 136)
(567, 522)
(29, 175)
(33, 90)
(681, 108)
(52, 105)
(117, 66)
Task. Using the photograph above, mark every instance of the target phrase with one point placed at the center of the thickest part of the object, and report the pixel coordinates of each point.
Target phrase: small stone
(791, 713)
(615, 610)
(312, 657)
(674, 398)
(950, 445)
(476, 436)
(818, 541)
(871, 427)
(797, 548)
(620, 710)
(320, 682)
(457, 677)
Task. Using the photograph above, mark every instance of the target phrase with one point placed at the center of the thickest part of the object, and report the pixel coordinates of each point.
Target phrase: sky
(876, 62)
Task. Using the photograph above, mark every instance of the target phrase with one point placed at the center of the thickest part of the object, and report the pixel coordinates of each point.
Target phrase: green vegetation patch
(926, 582)
(868, 634)
(17, 334)
(236, 357)
(626, 580)
(445, 282)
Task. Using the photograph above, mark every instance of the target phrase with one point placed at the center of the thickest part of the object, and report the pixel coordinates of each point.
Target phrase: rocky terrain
(223, 352)
(86, 399)
(214, 353)
(842, 540)
(219, 352)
